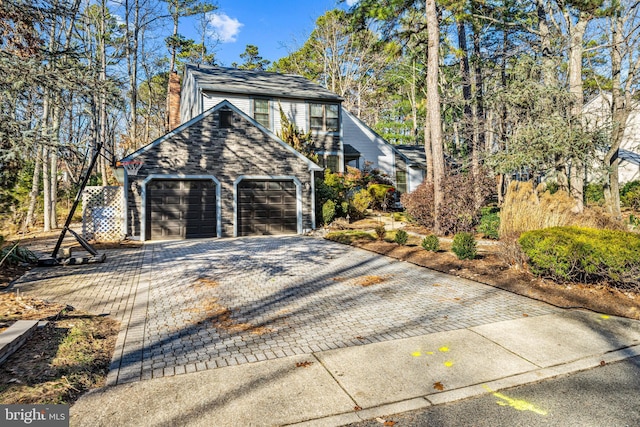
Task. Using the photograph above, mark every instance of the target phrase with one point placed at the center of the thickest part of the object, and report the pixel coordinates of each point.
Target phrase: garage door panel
(267, 207)
(178, 209)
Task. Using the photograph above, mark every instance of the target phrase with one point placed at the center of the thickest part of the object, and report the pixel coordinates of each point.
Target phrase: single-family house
(597, 114)
(223, 171)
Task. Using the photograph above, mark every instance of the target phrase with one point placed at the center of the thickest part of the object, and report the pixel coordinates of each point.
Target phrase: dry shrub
(526, 209)
(463, 195)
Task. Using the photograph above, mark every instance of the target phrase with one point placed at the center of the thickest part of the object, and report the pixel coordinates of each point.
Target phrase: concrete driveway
(196, 305)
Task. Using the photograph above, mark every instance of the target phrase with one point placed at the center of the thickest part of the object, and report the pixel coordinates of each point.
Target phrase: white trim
(177, 177)
(299, 211)
(313, 200)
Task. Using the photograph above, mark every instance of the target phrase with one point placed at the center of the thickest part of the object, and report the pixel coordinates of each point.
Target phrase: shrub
(381, 232)
(13, 255)
(464, 246)
(344, 208)
(490, 223)
(578, 254)
(328, 211)
(401, 237)
(360, 203)
(463, 195)
(380, 195)
(630, 195)
(526, 208)
(419, 204)
(594, 193)
(431, 243)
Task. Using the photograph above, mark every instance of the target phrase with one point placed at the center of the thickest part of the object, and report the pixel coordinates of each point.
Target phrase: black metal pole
(85, 179)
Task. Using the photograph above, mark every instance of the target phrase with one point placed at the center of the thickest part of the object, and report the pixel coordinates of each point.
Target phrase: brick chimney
(173, 103)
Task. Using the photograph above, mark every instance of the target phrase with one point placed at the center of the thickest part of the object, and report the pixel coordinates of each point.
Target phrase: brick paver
(203, 304)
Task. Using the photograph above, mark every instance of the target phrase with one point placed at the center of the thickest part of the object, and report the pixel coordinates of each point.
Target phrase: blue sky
(269, 24)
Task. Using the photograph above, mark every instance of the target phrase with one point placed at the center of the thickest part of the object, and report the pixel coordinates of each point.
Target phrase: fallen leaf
(525, 315)
(360, 338)
(438, 386)
(357, 408)
(304, 364)
(389, 423)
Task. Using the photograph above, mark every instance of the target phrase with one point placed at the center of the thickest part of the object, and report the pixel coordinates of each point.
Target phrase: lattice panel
(102, 213)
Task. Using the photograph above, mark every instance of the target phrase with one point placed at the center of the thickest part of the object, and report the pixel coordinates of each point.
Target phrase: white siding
(415, 176)
(597, 113)
(371, 146)
(243, 103)
(296, 111)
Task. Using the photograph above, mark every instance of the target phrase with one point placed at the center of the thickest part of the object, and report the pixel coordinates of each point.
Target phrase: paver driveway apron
(204, 304)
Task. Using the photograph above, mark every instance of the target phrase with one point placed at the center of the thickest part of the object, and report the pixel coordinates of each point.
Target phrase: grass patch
(60, 361)
(350, 236)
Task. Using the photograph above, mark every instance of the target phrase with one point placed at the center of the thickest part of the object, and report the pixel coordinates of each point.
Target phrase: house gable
(221, 145)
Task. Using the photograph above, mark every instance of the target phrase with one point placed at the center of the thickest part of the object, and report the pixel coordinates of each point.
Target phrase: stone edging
(14, 336)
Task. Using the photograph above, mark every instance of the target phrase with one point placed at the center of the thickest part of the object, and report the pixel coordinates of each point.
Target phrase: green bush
(359, 204)
(431, 243)
(401, 237)
(576, 254)
(381, 232)
(490, 223)
(594, 193)
(379, 194)
(630, 195)
(13, 255)
(464, 246)
(328, 211)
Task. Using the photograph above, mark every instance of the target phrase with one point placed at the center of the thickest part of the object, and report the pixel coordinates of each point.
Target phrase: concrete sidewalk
(346, 385)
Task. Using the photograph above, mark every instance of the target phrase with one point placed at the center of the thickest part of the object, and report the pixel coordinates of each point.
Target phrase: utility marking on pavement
(517, 404)
(416, 354)
(448, 363)
(604, 316)
(444, 349)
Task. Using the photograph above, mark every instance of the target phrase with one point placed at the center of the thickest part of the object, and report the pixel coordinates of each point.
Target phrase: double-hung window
(261, 112)
(324, 117)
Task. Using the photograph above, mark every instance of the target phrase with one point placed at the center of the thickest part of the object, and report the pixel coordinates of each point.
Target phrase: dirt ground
(61, 360)
(491, 268)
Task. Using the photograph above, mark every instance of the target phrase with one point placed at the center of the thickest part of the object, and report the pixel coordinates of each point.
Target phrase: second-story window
(261, 112)
(324, 117)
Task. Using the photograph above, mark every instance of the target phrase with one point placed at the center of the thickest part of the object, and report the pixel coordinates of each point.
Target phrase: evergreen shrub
(401, 237)
(587, 255)
(431, 243)
(490, 223)
(328, 211)
(464, 246)
(630, 195)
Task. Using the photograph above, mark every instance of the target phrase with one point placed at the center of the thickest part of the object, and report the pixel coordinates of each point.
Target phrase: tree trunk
(619, 116)
(53, 198)
(575, 88)
(433, 106)
(478, 117)
(35, 188)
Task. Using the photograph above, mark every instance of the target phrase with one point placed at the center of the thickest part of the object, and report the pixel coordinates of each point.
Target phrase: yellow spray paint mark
(517, 404)
(448, 363)
(444, 349)
(416, 354)
(429, 352)
(604, 316)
